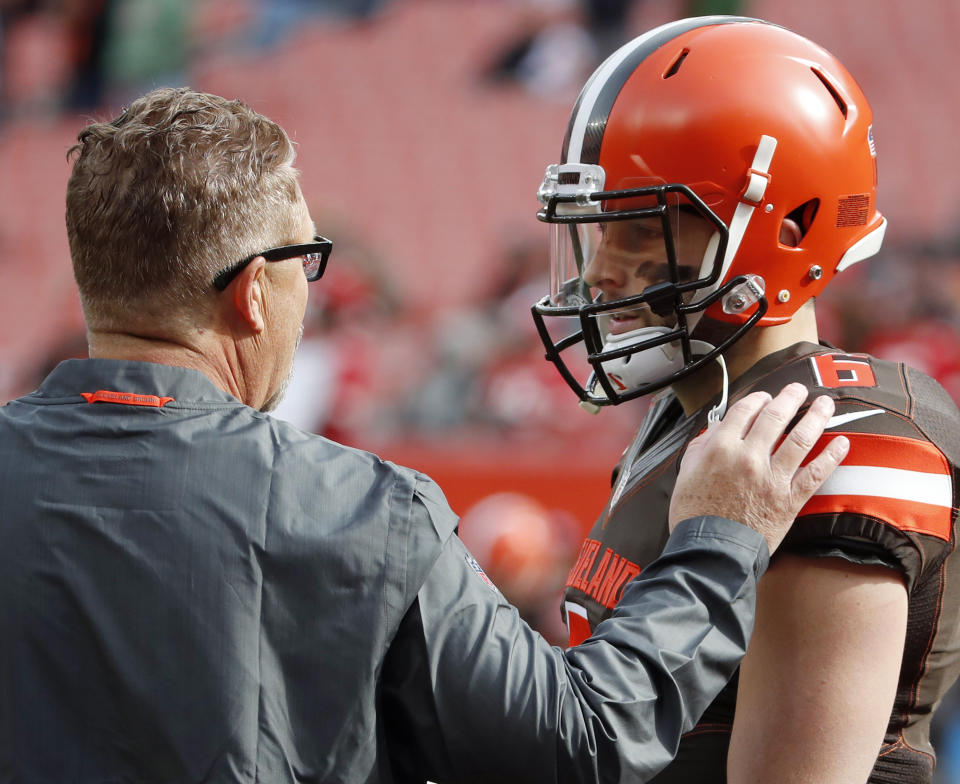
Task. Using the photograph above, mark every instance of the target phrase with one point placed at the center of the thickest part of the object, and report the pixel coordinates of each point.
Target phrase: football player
(716, 174)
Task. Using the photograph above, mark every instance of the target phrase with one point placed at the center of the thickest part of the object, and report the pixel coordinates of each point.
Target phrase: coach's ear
(248, 295)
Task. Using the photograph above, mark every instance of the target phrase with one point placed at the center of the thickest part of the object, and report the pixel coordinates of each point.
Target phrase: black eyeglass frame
(320, 245)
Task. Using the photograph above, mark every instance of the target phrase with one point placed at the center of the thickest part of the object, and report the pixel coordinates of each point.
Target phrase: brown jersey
(893, 502)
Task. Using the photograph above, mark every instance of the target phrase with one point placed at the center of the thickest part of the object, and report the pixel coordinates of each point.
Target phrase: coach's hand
(732, 470)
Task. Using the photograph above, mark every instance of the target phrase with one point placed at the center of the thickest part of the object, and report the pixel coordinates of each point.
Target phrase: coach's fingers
(741, 415)
(803, 436)
(811, 477)
(775, 416)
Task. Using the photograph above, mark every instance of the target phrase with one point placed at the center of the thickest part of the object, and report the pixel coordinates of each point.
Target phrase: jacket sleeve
(471, 693)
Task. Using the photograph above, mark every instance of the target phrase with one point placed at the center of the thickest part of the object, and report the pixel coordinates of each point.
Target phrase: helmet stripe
(589, 119)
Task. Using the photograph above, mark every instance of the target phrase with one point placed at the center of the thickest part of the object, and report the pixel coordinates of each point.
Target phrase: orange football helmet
(742, 123)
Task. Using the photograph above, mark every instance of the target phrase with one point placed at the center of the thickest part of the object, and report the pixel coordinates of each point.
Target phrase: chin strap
(646, 366)
(717, 412)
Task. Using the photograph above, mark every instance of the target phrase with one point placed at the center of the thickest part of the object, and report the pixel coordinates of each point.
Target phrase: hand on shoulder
(745, 469)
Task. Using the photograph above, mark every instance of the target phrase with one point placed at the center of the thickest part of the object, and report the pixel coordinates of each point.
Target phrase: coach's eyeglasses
(315, 255)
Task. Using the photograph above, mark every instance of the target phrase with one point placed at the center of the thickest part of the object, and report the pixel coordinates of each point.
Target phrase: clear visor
(625, 255)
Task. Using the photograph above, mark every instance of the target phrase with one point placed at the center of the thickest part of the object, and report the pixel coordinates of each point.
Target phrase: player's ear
(790, 233)
(248, 295)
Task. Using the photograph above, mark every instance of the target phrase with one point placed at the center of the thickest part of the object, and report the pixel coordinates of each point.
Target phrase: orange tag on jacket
(125, 398)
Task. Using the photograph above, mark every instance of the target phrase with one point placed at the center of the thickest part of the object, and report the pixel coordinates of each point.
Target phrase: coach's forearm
(508, 707)
(686, 621)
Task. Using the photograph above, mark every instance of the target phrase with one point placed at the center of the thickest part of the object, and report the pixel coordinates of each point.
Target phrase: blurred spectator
(712, 7)
(477, 348)
(607, 22)
(3, 14)
(3, 97)
(276, 19)
(86, 23)
(343, 385)
(488, 370)
(10, 11)
(472, 341)
(124, 47)
(560, 42)
(148, 45)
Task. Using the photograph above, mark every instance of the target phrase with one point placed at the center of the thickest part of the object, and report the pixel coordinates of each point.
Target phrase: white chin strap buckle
(629, 373)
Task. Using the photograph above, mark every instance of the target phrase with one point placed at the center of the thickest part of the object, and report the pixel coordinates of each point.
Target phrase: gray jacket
(192, 591)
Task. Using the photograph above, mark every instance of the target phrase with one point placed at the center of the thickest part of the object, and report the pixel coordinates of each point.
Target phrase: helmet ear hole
(798, 222)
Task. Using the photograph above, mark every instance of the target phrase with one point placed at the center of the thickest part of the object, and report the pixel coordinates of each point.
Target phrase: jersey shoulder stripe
(905, 482)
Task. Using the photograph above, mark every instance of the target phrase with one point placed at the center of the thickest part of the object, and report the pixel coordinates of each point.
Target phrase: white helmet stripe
(744, 211)
(591, 92)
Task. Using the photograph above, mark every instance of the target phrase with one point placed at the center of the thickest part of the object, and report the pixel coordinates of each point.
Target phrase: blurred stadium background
(424, 127)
